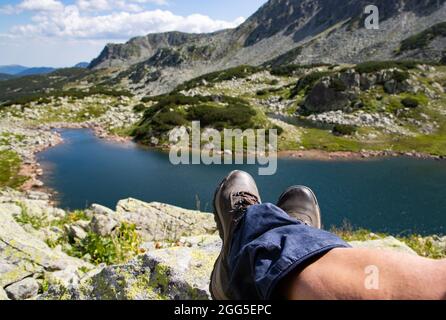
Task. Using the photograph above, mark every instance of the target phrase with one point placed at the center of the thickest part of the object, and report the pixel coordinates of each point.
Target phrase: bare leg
(368, 274)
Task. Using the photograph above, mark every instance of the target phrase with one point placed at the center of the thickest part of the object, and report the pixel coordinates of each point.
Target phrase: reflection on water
(393, 195)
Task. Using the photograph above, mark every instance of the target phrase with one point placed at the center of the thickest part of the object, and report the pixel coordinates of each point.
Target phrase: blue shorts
(268, 244)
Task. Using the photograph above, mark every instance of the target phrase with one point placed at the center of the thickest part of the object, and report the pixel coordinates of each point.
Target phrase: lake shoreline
(32, 169)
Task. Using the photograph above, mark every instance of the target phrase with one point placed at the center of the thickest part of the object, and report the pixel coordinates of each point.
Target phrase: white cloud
(71, 23)
(40, 5)
(109, 5)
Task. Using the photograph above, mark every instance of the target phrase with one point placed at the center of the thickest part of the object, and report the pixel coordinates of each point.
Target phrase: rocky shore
(348, 155)
(174, 256)
(28, 131)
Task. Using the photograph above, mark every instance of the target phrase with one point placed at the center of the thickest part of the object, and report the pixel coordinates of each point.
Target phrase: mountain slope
(34, 71)
(280, 32)
(5, 76)
(12, 69)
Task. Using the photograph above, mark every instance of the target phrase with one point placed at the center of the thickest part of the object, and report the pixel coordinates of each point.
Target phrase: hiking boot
(235, 194)
(301, 203)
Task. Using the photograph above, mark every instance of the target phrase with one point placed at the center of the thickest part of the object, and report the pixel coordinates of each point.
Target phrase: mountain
(81, 65)
(280, 32)
(20, 71)
(34, 71)
(5, 76)
(12, 69)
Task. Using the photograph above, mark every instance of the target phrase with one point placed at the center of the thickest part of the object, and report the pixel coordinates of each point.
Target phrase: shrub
(117, 248)
(9, 169)
(218, 112)
(307, 82)
(410, 103)
(338, 85)
(290, 69)
(231, 116)
(344, 130)
(37, 222)
(375, 66)
(422, 39)
(400, 76)
(279, 129)
(139, 107)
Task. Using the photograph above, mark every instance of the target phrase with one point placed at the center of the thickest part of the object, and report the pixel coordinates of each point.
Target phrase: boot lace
(243, 200)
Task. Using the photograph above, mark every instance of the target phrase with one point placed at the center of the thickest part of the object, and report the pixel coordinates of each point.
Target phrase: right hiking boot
(233, 197)
(301, 203)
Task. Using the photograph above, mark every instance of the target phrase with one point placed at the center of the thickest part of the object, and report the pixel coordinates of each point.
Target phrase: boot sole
(215, 288)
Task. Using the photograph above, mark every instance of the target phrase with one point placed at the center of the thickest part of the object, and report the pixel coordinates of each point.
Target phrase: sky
(61, 33)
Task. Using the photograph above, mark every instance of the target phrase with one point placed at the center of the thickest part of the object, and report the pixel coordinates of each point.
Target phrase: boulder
(98, 209)
(24, 289)
(158, 222)
(75, 232)
(180, 273)
(103, 224)
(389, 243)
(10, 208)
(23, 255)
(3, 295)
(67, 277)
(324, 97)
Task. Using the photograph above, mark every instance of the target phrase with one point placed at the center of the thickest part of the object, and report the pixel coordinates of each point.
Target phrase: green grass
(320, 139)
(37, 222)
(7, 137)
(10, 163)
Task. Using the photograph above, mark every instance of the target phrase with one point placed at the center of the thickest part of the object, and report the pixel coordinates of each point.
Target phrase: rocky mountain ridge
(280, 32)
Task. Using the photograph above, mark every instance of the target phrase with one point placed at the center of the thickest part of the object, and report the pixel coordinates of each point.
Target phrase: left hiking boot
(301, 203)
(233, 197)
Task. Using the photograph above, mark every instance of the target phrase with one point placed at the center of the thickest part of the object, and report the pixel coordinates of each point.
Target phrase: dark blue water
(396, 195)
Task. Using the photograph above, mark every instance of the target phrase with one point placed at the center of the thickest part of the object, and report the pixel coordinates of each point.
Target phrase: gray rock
(157, 222)
(103, 224)
(98, 209)
(3, 295)
(390, 86)
(175, 273)
(23, 254)
(323, 97)
(67, 277)
(24, 289)
(76, 232)
(10, 208)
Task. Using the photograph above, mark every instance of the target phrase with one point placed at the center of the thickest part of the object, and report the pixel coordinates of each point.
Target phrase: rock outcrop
(157, 221)
(179, 273)
(24, 257)
(176, 257)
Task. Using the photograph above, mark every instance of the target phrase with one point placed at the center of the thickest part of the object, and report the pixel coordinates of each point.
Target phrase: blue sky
(62, 33)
